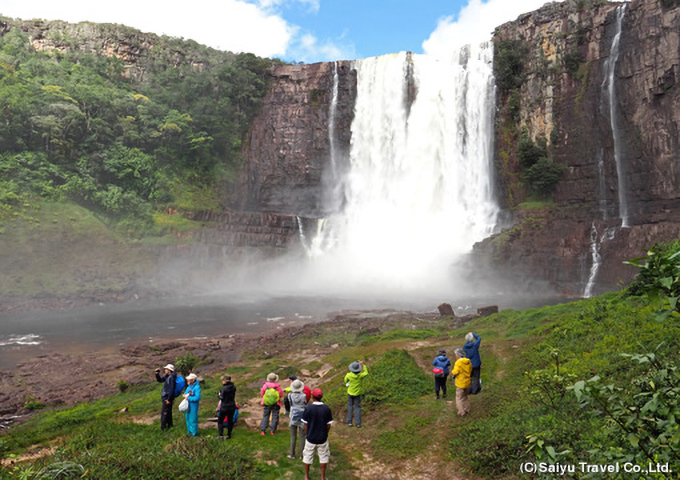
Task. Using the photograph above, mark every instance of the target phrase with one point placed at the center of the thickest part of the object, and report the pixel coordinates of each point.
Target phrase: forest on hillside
(73, 125)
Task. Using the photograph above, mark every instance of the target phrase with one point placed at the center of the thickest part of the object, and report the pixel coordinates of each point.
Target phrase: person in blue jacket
(471, 348)
(193, 394)
(443, 363)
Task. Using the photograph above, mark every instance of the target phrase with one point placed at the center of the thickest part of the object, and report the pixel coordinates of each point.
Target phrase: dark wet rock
(486, 311)
(446, 310)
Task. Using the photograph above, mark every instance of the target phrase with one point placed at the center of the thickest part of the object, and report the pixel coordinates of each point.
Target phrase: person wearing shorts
(317, 419)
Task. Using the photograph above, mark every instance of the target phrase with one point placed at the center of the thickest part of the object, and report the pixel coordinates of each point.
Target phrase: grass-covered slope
(529, 409)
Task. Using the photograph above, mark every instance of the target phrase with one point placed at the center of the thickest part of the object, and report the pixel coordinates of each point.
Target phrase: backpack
(296, 414)
(271, 397)
(180, 383)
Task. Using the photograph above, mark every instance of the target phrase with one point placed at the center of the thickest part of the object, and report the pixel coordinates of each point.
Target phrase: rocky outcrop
(288, 153)
(564, 99)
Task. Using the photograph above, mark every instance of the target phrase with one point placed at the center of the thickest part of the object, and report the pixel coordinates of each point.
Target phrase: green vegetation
(540, 173)
(659, 277)
(75, 124)
(509, 60)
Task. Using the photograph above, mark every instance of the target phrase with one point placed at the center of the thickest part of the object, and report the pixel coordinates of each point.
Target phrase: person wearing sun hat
(298, 402)
(193, 395)
(354, 383)
(317, 419)
(167, 394)
(271, 394)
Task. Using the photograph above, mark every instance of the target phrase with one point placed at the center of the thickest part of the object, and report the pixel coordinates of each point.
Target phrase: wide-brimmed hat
(355, 367)
(297, 386)
(170, 367)
(192, 376)
(272, 377)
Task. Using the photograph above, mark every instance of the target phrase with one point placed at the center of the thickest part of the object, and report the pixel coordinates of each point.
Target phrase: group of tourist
(466, 372)
(310, 423)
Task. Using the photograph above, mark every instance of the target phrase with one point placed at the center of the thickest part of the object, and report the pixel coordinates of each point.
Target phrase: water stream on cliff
(418, 193)
(596, 243)
(609, 84)
(609, 92)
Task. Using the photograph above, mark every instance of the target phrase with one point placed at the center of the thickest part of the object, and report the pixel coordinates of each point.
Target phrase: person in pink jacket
(271, 394)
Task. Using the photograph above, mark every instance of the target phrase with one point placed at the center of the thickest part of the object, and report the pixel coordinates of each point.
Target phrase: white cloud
(476, 22)
(224, 24)
(312, 5)
(307, 48)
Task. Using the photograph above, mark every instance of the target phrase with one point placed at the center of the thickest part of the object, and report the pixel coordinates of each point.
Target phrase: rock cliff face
(289, 147)
(564, 99)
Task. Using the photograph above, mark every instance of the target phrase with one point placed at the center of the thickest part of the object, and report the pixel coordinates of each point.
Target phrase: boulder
(486, 311)
(446, 310)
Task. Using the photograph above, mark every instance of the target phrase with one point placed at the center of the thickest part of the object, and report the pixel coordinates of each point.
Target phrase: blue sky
(295, 30)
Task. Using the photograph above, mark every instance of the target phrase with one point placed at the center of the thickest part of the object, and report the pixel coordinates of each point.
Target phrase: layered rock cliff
(564, 99)
(287, 158)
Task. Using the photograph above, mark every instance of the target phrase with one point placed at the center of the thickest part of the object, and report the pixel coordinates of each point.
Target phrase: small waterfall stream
(608, 88)
(332, 119)
(596, 243)
(609, 83)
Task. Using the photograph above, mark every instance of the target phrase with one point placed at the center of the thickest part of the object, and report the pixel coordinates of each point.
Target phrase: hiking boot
(349, 424)
(292, 457)
(358, 426)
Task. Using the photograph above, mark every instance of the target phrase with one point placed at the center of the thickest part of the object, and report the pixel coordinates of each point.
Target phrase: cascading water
(332, 115)
(418, 193)
(596, 243)
(610, 85)
(609, 92)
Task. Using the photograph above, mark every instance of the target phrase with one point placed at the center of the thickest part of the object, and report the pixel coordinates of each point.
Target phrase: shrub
(123, 386)
(659, 277)
(543, 176)
(509, 59)
(186, 363)
(34, 405)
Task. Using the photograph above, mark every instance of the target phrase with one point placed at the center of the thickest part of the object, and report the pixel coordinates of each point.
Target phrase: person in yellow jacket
(354, 382)
(462, 371)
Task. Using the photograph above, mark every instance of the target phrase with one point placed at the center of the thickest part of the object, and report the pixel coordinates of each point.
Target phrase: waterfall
(596, 244)
(609, 92)
(419, 190)
(332, 114)
(609, 84)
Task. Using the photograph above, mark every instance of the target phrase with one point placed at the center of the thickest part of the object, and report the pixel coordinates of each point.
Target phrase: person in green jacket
(354, 383)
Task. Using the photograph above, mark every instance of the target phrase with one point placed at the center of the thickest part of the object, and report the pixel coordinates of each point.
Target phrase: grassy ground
(407, 433)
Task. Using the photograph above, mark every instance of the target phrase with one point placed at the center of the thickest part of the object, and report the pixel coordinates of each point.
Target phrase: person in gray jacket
(298, 402)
